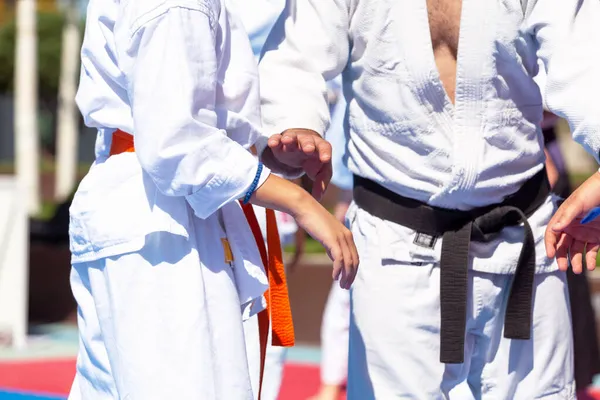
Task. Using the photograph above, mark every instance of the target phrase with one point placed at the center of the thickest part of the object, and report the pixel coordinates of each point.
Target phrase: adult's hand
(565, 235)
(306, 149)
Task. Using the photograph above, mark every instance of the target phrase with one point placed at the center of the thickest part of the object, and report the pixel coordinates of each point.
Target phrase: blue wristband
(254, 183)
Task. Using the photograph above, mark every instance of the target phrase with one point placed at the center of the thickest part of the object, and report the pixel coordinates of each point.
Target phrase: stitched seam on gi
(165, 6)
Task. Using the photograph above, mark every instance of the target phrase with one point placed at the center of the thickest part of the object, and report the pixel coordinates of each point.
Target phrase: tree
(49, 34)
(49, 31)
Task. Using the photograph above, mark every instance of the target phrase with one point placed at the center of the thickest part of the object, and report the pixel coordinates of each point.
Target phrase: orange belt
(278, 313)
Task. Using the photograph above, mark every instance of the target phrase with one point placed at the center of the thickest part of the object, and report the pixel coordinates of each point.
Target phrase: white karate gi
(406, 134)
(160, 308)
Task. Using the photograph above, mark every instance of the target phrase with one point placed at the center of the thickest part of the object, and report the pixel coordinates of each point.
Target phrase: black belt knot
(458, 228)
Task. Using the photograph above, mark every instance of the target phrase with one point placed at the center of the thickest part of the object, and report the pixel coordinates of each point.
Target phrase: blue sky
(81, 5)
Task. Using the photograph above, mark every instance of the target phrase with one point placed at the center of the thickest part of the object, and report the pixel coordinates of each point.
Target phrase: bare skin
(551, 169)
(444, 28)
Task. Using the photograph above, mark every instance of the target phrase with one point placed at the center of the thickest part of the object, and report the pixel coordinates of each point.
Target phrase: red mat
(50, 376)
(55, 377)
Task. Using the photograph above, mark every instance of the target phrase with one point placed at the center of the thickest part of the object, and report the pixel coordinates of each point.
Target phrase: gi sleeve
(172, 88)
(307, 46)
(567, 33)
(337, 135)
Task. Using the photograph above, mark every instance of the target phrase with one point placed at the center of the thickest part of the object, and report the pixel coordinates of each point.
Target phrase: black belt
(458, 228)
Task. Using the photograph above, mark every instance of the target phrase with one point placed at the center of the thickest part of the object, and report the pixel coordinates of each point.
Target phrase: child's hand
(285, 196)
(336, 239)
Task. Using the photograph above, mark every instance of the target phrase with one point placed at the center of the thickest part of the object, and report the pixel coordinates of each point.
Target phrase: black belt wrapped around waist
(458, 228)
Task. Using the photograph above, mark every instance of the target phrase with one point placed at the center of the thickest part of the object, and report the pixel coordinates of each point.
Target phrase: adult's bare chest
(444, 23)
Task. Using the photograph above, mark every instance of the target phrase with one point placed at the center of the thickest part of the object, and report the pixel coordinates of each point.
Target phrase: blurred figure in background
(583, 319)
(336, 316)
(555, 162)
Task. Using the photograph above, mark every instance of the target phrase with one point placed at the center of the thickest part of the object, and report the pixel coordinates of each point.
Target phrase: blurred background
(44, 151)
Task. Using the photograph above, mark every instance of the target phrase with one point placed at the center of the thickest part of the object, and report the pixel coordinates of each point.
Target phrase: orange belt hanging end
(278, 315)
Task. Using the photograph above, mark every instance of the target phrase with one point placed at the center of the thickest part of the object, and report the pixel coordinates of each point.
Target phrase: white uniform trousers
(161, 323)
(395, 333)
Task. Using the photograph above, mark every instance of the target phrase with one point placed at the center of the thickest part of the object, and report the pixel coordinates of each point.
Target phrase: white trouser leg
(274, 361)
(395, 334)
(334, 336)
(161, 323)
(252, 340)
(524, 369)
(273, 377)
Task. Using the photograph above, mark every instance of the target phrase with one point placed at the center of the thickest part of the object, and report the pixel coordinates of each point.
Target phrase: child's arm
(171, 66)
(285, 196)
(172, 70)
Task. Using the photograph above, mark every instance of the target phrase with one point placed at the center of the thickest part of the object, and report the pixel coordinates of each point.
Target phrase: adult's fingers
(306, 143)
(321, 181)
(347, 262)
(585, 233)
(576, 253)
(289, 136)
(562, 251)
(591, 255)
(566, 213)
(293, 135)
(567, 219)
(551, 238)
(323, 148)
(274, 141)
(355, 256)
(335, 256)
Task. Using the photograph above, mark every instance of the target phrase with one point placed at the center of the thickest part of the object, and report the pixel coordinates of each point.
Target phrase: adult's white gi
(407, 136)
(160, 303)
